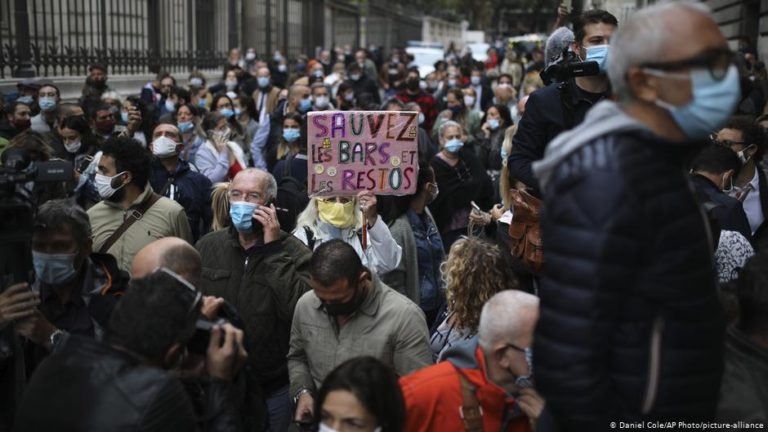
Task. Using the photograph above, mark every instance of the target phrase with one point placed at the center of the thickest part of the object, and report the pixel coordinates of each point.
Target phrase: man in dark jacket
(631, 326)
(744, 394)
(174, 178)
(714, 171)
(362, 84)
(554, 109)
(131, 391)
(262, 271)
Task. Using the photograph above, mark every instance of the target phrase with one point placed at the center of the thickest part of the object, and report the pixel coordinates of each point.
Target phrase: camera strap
(133, 215)
(567, 103)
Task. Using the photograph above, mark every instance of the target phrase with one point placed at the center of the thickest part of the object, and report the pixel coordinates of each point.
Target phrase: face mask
(322, 102)
(47, 103)
(164, 147)
(301, 67)
(282, 68)
(599, 54)
(730, 188)
(344, 309)
(432, 85)
(27, 100)
(349, 97)
(713, 101)
(504, 84)
(422, 85)
(305, 105)
(197, 82)
(469, 101)
(250, 56)
(504, 155)
(743, 158)
(340, 215)
(524, 381)
(241, 213)
(105, 126)
(456, 109)
(238, 111)
(412, 84)
(22, 125)
(454, 145)
(318, 73)
(226, 112)
(354, 77)
(263, 82)
(124, 116)
(185, 127)
(451, 83)
(421, 118)
(202, 103)
(54, 269)
(231, 84)
(73, 147)
(169, 106)
(475, 80)
(104, 185)
(433, 193)
(291, 135)
(493, 124)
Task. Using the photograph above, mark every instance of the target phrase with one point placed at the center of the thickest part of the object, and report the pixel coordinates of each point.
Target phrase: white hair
(642, 39)
(111, 95)
(445, 125)
(271, 182)
(506, 316)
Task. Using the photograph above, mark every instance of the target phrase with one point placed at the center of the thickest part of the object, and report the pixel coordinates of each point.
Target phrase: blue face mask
(263, 82)
(599, 54)
(185, 127)
(25, 100)
(202, 103)
(238, 112)
(241, 213)
(504, 155)
(124, 116)
(226, 112)
(713, 102)
(47, 103)
(291, 135)
(493, 123)
(524, 381)
(454, 145)
(54, 269)
(305, 105)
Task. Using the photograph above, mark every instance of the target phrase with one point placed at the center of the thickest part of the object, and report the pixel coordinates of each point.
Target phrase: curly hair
(474, 271)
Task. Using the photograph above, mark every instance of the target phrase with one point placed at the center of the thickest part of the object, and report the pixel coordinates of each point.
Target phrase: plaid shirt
(427, 104)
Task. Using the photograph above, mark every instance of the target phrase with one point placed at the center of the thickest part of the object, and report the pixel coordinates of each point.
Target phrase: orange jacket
(433, 398)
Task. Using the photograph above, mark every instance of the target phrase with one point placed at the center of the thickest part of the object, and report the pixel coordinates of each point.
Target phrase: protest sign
(351, 151)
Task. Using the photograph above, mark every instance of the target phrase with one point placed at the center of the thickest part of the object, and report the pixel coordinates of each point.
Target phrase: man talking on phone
(262, 271)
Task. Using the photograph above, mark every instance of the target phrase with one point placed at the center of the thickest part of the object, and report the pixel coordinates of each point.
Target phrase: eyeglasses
(237, 195)
(724, 143)
(716, 60)
(516, 348)
(189, 289)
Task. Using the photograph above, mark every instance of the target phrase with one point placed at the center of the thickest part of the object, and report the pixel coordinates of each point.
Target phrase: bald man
(180, 257)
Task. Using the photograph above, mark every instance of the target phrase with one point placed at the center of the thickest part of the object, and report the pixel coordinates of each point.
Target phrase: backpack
(292, 196)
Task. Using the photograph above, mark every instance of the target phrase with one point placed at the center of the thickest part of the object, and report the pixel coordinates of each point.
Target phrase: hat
(31, 83)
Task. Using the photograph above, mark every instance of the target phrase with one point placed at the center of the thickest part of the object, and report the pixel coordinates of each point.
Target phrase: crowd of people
(185, 280)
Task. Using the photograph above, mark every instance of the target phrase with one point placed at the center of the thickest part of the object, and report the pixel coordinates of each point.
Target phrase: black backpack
(291, 195)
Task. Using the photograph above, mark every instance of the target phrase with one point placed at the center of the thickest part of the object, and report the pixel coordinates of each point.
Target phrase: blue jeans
(279, 406)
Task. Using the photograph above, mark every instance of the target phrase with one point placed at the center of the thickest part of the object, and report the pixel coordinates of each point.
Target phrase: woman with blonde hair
(474, 271)
(220, 206)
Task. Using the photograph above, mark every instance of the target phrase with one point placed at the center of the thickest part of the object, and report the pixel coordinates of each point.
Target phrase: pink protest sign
(351, 151)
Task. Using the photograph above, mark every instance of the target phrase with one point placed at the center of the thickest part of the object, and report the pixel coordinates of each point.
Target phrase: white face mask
(73, 147)
(164, 147)
(104, 185)
(321, 101)
(469, 101)
(230, 84)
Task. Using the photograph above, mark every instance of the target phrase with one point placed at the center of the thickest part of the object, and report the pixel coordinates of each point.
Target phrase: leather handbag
(524, 232)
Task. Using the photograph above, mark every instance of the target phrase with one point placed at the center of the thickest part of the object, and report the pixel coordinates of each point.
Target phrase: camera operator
(557, 107)
(147, 336)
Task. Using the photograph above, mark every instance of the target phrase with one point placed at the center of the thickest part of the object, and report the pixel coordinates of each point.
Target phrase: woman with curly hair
(474, 271)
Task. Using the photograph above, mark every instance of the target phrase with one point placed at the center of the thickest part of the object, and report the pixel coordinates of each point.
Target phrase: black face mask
(346, 308)
(412, 84)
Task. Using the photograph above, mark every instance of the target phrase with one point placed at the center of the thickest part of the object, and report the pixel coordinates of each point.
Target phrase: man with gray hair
(494, 367)
(631, 326)
(262, 271)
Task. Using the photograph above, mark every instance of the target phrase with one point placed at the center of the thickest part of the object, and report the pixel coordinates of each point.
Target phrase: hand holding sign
(367, 202)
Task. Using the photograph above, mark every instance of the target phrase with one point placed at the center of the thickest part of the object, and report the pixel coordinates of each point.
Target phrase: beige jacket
(164, 219)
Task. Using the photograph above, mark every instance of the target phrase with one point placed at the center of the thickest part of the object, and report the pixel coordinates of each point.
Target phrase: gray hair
(641, 39)
(271, 182)
(55, 214)
(445, 125)
(506, 316)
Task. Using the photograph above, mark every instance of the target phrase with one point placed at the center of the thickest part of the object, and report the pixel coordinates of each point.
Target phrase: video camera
(567, 67)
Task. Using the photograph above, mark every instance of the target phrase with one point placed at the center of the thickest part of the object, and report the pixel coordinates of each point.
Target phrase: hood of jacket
(604, 118)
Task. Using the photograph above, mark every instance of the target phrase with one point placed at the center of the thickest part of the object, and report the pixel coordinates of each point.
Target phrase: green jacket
(264, 286)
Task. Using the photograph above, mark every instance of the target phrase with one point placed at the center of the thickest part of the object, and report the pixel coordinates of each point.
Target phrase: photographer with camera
(562, 106)
(147, 337)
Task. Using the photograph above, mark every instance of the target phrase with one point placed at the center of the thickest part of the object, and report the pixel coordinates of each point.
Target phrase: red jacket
(433, 397)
